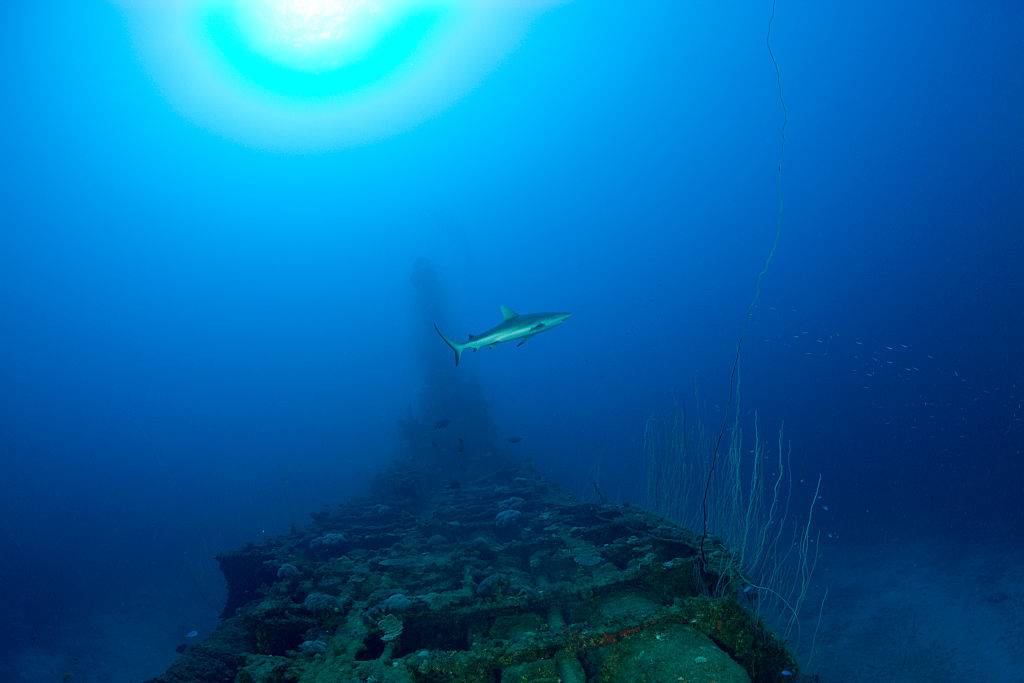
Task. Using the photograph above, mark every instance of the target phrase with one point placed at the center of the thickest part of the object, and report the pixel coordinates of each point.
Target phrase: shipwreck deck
(503, 579)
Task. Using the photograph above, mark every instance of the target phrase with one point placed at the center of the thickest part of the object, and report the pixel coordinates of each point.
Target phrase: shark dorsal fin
(507, 313)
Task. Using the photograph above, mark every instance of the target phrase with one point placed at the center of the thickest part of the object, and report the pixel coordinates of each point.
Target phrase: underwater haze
(217, 296)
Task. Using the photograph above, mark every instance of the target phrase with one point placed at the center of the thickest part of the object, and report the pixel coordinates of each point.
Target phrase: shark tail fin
(457, 348)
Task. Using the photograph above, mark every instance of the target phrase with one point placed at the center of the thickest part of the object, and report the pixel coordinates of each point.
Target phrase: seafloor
(506, 578)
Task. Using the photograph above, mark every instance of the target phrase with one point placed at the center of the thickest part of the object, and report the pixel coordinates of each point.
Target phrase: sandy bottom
(126, 640)
(923, 611)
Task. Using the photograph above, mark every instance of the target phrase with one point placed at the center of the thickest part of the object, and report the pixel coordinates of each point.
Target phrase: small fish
(786, 673)
(441, 424)
(192, 634)
(514, 439)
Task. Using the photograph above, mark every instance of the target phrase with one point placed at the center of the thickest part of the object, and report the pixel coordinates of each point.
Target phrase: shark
(513, 327)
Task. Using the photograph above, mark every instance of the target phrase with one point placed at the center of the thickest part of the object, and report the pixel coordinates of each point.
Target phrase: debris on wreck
(504, 578)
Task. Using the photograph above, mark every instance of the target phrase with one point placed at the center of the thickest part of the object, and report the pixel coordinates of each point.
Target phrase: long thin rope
(757, 285)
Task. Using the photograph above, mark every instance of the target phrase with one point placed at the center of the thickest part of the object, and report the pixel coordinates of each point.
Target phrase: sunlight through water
(322, 74)
(316, 35)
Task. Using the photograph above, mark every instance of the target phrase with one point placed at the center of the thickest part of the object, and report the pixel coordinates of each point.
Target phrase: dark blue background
(200, 341)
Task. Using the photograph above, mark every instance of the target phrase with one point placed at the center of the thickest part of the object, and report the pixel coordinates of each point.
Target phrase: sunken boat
(503, 578)
(463, 564)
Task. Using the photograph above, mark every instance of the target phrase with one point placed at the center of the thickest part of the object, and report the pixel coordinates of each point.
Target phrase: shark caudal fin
(457, 348)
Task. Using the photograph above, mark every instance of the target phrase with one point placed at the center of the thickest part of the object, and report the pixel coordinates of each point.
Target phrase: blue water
(204, 337)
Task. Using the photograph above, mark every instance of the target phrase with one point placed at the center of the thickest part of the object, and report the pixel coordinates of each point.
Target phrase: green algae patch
(669, 652)
(740, 634)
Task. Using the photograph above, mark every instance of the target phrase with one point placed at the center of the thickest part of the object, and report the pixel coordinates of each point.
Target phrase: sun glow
(314, 74)
(316, 34)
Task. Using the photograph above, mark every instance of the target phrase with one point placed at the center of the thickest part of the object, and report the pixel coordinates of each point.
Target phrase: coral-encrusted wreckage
(503, 579)
(463, 565)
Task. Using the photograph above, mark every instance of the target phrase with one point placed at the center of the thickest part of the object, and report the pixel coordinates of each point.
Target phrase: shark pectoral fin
(521, 343)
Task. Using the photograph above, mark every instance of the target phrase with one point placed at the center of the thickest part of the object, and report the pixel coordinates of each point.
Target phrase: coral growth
(447, 593)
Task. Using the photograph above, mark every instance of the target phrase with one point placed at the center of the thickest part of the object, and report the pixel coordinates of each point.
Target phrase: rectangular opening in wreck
(432, 632)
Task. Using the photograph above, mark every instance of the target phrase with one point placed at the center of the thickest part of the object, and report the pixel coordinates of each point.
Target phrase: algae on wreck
(445, 590)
